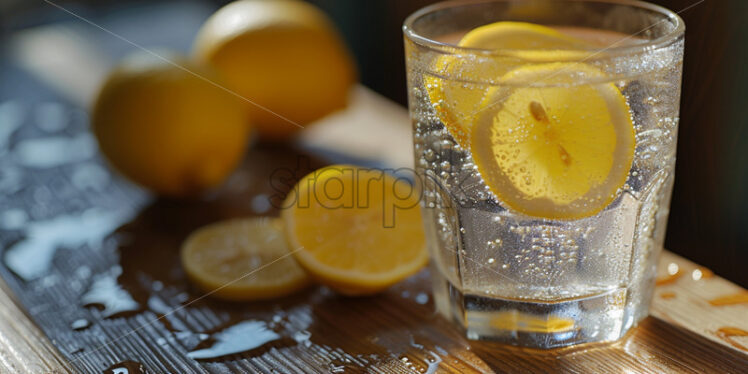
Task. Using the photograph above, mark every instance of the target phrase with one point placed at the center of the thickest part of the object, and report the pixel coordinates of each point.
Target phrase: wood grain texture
(318, 331)
(700, 301)
(23, 347)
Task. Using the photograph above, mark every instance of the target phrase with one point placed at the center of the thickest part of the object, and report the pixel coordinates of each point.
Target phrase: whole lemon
(284, 56)
(163, 123)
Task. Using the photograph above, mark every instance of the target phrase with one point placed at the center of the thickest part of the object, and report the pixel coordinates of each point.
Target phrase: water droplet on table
(12, 114)
(422, 298)
(32, 257)
(13, 219)
(108, 294)
(125, 367)
(261, 203)
(52, 151)
(241, 337)
(80, 324)
(51, 117)
(303, 337)
(90, 176)
(433, 363)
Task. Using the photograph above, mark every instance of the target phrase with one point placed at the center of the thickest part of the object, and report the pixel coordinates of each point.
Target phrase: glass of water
(544, 137)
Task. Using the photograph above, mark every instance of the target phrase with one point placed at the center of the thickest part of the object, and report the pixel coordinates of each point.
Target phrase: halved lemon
(359, 230)
(243, 259)
(550, 147)
(461, 81)
(284, 57)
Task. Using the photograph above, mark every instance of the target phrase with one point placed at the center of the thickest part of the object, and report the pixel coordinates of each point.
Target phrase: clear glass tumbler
(546, 170)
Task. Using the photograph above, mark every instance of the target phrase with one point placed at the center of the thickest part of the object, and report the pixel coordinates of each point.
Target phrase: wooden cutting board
(153, 319)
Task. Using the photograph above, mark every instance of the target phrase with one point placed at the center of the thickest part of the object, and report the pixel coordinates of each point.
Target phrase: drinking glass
(514, 257)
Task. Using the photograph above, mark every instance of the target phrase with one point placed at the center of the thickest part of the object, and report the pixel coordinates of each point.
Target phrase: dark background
(709, 212)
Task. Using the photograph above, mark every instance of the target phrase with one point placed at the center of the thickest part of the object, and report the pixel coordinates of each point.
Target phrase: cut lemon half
(245, 259)
(550, 147)
(454, 89)
(359, 230)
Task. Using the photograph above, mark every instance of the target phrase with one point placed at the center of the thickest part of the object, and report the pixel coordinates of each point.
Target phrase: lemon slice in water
(454, 91)
(550, 147)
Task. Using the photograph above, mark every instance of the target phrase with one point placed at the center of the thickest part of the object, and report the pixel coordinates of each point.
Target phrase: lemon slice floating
(519, 35)
(359, 230)
(456, 100)
(245, 259)
(548, 147)
(517, 321)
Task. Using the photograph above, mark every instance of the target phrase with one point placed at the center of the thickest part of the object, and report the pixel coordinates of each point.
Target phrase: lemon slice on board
(244, 259)
(359, 230)
(551, 148)
(453, 91)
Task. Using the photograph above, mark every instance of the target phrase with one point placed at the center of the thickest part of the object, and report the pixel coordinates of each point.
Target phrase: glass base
(534, 323)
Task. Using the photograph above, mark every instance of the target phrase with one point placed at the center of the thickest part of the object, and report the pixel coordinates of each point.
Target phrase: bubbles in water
(553, 259)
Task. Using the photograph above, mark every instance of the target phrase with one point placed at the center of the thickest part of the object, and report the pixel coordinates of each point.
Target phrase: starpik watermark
(387, 190)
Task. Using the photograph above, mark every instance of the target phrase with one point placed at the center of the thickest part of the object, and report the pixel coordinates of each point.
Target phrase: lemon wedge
(245, 259)
(549, 147)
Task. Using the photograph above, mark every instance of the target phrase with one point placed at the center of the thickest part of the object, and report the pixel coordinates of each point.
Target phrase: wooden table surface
(699, 321)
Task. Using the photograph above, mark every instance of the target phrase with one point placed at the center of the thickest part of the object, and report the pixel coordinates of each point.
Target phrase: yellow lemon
(244, 259)
(166, 127)
(461, 81)
(284, 57)
(551, 147)
(359, 230)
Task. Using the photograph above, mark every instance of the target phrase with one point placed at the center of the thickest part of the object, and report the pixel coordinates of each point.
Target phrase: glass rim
(658, 43)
